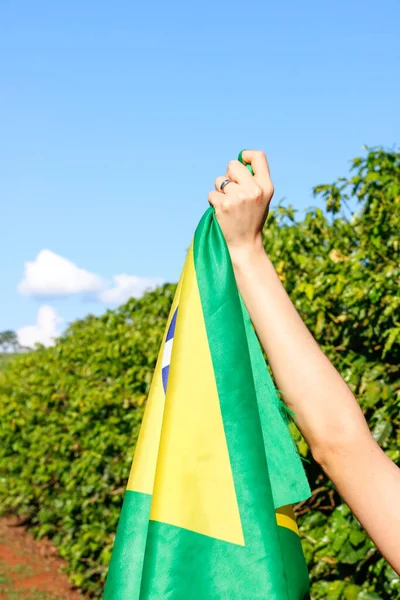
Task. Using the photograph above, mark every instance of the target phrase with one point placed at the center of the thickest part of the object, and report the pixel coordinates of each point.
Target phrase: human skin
(326, 411)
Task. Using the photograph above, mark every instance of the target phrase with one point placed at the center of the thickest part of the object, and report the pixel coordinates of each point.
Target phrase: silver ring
(224, 184)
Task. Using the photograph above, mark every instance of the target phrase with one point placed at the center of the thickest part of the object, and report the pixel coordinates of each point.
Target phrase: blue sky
(116, 117)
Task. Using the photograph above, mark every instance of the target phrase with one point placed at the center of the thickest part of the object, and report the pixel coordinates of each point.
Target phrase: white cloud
(52, 275)
(127, 286)
(45, 331)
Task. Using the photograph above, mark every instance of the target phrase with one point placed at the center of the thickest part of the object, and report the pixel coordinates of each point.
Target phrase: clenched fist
(242, 207)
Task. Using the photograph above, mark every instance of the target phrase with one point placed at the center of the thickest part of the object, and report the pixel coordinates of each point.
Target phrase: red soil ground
(30, 569)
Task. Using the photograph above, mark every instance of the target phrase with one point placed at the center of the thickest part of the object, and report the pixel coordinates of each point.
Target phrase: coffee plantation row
(70, 414)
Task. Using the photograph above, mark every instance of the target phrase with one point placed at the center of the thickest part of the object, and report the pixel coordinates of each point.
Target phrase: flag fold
(207, 513)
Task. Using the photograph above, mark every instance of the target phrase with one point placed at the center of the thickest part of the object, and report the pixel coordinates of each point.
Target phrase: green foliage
(9, 343)
(5, 357)
(69, 419)
(342, 271)
(70, 414)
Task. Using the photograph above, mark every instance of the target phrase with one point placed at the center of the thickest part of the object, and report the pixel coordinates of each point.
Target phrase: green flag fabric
(208, 510)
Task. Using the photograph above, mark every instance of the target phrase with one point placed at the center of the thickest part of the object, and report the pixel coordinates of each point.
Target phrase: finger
(247, 184)
(216, 198)
(259, 164)
(229, 187)
(238, 172)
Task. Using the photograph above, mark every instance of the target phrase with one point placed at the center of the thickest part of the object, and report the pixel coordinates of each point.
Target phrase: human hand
(242, 207)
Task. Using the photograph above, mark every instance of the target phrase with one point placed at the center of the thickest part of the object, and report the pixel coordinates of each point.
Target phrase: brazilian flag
(207, 513)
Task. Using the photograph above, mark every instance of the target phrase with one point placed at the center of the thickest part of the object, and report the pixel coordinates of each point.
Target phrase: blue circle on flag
(166, 359)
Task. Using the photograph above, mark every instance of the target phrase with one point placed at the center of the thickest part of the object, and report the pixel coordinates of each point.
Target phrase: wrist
(244, 255)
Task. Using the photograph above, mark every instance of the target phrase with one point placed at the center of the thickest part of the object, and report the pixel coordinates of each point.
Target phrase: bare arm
(326, 411)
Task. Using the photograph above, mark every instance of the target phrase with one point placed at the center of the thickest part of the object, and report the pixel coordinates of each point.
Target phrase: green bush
(342, 270)
(70, 414)
(5, 357)
(69, 420)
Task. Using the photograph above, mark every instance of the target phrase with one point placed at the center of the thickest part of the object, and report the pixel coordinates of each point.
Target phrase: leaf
(382, 431)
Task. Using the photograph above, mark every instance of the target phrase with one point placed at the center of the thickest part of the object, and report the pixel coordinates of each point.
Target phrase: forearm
(325, 409)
